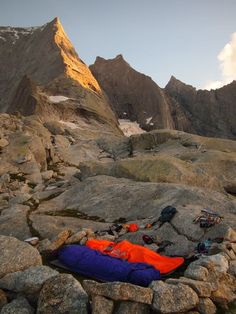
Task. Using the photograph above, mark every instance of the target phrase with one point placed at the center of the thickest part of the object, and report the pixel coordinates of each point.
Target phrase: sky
(193, 40)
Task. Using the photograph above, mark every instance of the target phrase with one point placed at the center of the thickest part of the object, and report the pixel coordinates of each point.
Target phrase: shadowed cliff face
(179, 106)
(133, 95)
(47, 57)
(211, 112)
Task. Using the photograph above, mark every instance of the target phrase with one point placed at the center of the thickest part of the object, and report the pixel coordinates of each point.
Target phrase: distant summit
(46, 57)
(133, 95)
(137, 97)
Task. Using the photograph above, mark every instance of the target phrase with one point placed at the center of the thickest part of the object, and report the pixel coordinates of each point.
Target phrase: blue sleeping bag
(91, 263)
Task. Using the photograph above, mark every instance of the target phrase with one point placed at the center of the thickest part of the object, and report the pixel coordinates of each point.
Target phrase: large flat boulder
(17, 255)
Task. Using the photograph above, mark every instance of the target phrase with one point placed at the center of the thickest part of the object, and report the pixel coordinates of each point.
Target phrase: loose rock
(16, 255)
(196, 272)
(29, 281)
(19, 306)
(119, 291)
(173, 298)
(62, 294)
(206, 306)
(101, 305)
(203, 289)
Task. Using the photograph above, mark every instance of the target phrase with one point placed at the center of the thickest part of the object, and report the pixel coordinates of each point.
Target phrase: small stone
(3, 143)
(196, 272)
(119, 291)
(107, 237)
(47, 175)
(59, 240)
(19, 306)
(83, 241)
(206, 306)
(16, 255)
(29, 281)
(101, 305)
(75, 238)
(43, 246)
(62, 294)
(33, 241)
(173, 298)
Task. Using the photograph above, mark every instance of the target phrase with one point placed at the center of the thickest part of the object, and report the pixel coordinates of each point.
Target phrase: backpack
(167, 214)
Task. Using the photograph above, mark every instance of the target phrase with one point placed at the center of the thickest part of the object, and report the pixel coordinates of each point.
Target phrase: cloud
(213, 85)
(227, 64)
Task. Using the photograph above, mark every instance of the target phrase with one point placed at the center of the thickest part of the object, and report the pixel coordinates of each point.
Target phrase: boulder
(218, 261)
(16, 255)
(206, 306)
(170, 298)
(29, 281)
(101, 305)
(19, 306)
(13, 222)
(196, 272)
(50, 226)
(203, 289)
(107, 198)
(225, 293)
(119, 291)
(62, 294)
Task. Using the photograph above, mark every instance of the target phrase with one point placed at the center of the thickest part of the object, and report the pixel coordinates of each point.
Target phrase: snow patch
(57, 99)
(15, 33)
(148, 120)
(129, 128)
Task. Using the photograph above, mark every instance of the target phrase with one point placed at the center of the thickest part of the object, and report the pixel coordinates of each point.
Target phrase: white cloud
(213, 85)
(227, 60)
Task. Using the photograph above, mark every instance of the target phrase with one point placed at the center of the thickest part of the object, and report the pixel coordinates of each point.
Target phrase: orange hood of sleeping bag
(136, 254)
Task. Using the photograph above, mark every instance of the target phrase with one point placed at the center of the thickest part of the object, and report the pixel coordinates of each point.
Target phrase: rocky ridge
(136, 97)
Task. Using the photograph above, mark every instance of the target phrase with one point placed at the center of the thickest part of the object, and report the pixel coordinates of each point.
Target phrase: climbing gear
(133, 228)
(147, 239)
(204, 247)
(208, 218)
(167, 214)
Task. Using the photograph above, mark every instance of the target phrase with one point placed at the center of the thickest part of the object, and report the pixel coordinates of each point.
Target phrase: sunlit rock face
(46, 56)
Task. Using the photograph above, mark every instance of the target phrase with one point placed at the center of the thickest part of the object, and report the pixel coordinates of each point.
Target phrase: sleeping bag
(93, 264)
(136, 253)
